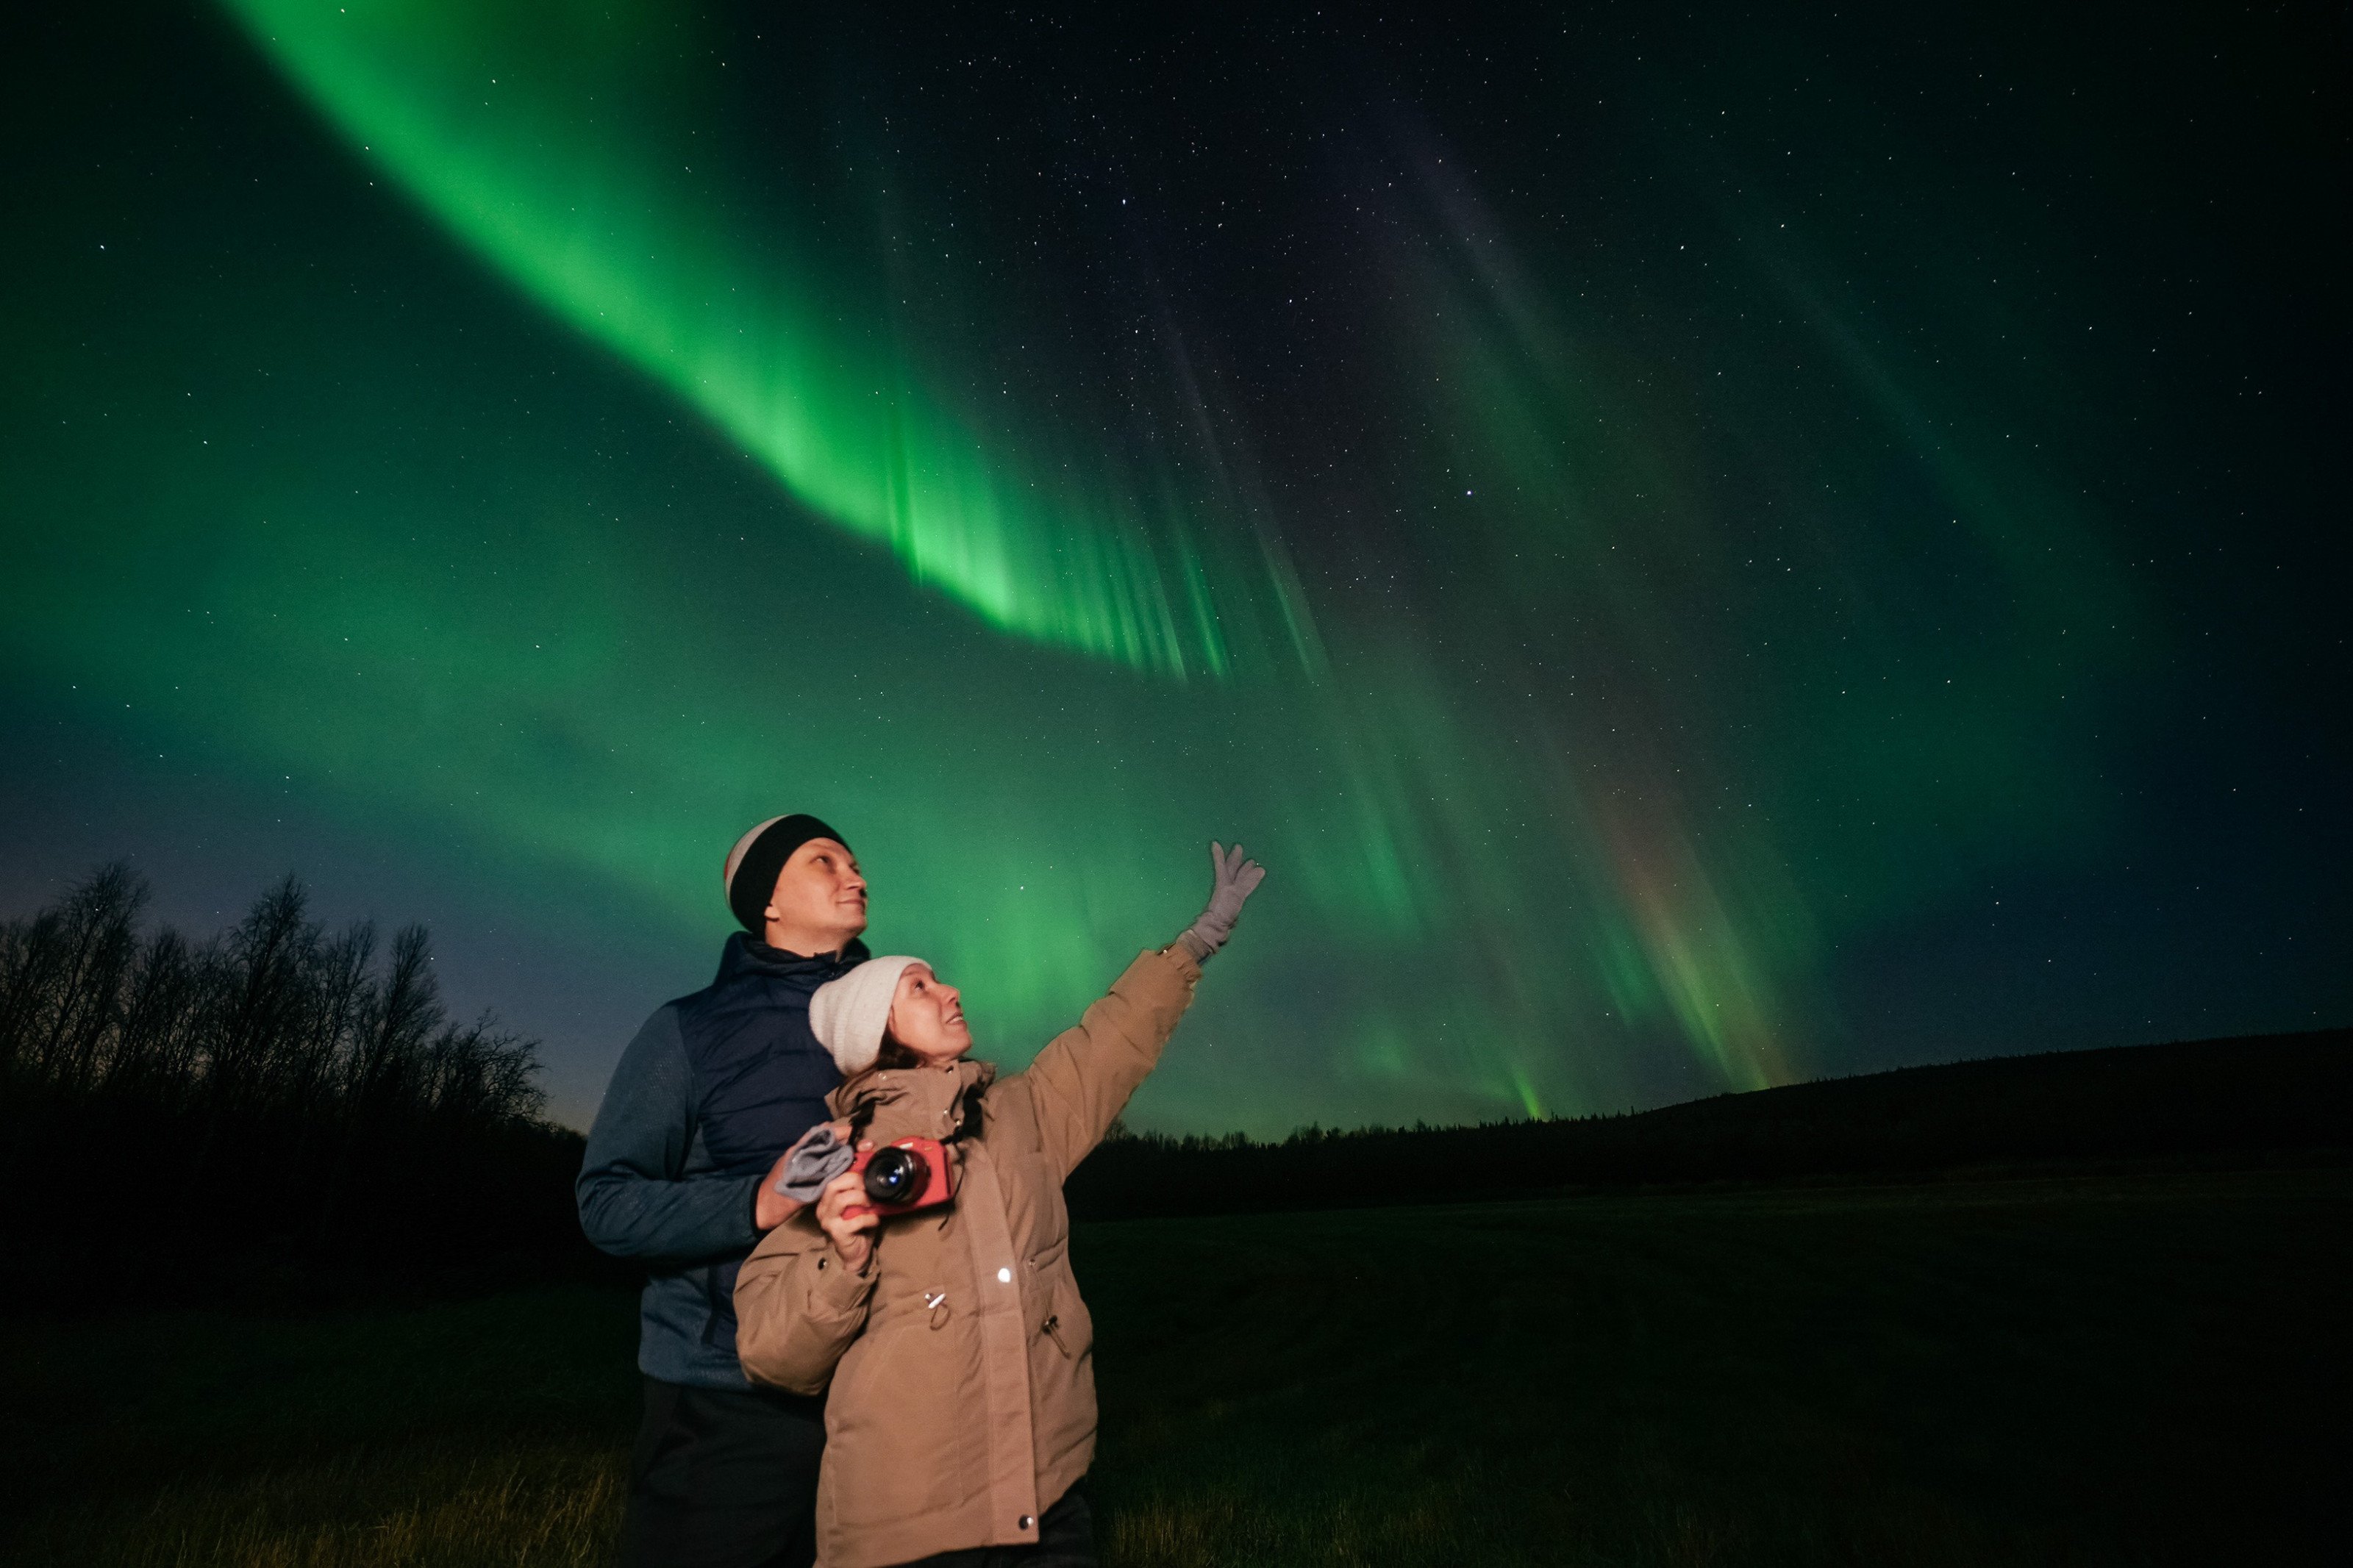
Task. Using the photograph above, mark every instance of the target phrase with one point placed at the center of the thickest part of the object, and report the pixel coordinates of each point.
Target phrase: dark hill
(2260, 1097)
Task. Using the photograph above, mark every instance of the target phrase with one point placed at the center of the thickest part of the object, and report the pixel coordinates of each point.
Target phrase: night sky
(1702, 548)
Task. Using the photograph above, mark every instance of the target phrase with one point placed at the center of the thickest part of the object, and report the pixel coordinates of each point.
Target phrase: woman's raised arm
(1083, 1078)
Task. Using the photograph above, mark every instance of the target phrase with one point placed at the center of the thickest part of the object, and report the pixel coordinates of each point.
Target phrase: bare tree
(340, 991)
(264, 1071)
(96, 935)
(158, 1042)
(261, 1004)
(405, 1013)
(27, 953)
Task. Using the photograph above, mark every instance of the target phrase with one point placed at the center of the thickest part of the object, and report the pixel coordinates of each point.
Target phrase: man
(681, 1172)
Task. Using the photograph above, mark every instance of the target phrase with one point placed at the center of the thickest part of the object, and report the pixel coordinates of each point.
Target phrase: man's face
(819, 900)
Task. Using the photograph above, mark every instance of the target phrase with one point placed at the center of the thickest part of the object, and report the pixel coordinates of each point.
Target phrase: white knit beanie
(848, 1016)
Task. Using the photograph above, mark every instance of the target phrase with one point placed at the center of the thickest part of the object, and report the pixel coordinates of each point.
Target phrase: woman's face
(927, 1016)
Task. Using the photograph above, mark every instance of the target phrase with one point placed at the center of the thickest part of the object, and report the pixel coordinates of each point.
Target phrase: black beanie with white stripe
(757, 858)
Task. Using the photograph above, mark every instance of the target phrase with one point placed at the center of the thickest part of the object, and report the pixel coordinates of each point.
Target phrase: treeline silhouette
(281, 1107)
(284, 1110)
(2262, 1098)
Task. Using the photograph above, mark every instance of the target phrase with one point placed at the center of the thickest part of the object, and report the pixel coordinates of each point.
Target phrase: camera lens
(896, 1176)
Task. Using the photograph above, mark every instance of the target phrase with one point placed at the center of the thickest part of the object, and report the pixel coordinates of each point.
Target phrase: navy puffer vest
(760, 1076)
(713, 1088)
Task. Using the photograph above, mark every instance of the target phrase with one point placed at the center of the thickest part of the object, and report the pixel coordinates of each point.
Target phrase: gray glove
(1237, 879)
(817, 1159)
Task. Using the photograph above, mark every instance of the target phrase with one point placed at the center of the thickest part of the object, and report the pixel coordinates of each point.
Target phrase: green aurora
(1608, 559)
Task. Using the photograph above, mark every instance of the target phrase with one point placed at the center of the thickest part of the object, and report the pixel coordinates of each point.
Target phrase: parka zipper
(1053, 1326)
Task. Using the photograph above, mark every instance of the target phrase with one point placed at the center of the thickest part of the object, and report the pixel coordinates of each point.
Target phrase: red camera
(913, 1173)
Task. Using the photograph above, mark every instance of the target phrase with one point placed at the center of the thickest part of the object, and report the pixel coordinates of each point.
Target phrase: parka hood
(930, 1101)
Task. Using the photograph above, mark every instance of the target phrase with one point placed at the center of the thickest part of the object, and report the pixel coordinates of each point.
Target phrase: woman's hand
(771, 1208)
(844, 1214)
(1233, 880)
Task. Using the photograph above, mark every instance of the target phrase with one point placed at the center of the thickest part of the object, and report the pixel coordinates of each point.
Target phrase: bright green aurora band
(572, 175)
(1583, 681)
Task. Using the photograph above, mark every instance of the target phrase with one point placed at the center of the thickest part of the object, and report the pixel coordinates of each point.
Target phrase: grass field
(2113, 1369)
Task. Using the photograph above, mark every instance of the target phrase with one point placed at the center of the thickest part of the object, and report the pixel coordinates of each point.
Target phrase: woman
(962, 1410)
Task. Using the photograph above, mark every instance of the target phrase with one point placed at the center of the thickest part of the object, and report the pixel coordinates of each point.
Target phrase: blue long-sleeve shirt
(713, 1088)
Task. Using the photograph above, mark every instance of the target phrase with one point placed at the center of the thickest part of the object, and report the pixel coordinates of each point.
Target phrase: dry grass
(412, 1509)
(2104, 1374)
(1644, 1517)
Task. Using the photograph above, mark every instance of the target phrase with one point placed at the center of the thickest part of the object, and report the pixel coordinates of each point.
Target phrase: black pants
(1066, 1539)
(724, 1478)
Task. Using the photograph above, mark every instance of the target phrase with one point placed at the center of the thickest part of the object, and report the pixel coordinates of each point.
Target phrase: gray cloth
(813, 1162)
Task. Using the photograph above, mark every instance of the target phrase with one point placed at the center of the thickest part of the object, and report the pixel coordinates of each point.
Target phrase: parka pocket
(1066, 1323)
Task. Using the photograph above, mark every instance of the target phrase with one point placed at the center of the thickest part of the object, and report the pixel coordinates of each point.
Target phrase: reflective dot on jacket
(1026, 1522)
(1005, 1277)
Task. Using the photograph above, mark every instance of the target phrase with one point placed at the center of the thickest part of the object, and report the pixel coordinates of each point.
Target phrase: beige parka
(961, 1360)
